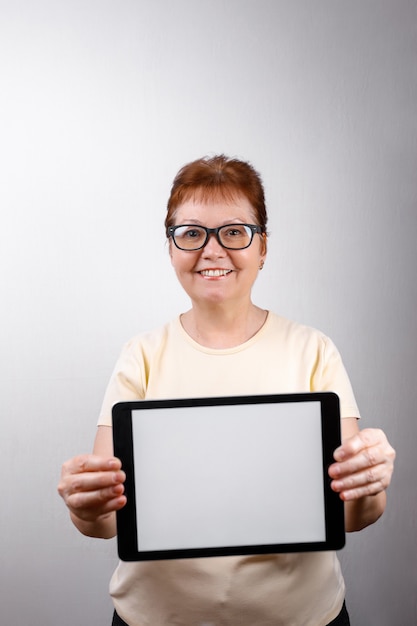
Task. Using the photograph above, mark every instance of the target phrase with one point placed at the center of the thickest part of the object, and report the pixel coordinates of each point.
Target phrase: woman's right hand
(92, 488)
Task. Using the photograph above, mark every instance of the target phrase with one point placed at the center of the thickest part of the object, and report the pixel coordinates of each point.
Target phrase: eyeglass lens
(232, 236)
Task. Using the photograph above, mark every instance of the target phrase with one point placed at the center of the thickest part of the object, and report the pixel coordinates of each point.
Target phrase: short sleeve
(331, 375)
(127, 382)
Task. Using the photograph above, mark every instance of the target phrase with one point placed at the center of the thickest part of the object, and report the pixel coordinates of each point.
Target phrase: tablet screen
(216, 476)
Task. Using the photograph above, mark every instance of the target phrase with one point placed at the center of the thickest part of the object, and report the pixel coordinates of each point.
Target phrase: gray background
(100, 103)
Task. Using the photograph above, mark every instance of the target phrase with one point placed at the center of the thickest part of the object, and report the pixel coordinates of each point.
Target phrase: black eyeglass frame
(213, 231)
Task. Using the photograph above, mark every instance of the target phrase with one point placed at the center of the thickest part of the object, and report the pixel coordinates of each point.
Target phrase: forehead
(215, 209)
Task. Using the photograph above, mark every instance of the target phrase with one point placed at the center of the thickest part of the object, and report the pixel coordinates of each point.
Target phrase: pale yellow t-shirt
(271, 590)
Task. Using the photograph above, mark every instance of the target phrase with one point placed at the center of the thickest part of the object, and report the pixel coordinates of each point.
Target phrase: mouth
(217, 273)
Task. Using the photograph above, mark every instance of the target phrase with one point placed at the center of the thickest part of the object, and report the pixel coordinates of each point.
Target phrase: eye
(235, 231)
(191, 233)
(188, 232)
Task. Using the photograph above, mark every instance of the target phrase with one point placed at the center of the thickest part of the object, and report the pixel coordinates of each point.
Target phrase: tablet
(228, 476)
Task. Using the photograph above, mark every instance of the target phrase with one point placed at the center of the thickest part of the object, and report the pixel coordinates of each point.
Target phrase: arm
(362, 472)
(92, 487)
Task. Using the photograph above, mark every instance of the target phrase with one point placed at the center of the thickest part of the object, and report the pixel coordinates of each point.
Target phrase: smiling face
(215, 275)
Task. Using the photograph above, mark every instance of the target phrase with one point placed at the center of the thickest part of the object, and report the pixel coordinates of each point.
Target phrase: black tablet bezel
(127, 543)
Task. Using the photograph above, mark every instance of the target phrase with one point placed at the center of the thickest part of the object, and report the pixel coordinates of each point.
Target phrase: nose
(213, 247)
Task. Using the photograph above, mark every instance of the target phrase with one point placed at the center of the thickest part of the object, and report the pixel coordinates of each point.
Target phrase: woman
(226, 345)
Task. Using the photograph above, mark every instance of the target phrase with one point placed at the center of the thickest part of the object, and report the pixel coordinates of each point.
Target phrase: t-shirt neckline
(223, 351)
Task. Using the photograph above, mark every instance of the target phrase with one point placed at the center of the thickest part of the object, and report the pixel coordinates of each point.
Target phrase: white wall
(100, 103)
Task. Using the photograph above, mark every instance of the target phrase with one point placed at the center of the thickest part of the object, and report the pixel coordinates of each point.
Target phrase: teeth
(213, 273)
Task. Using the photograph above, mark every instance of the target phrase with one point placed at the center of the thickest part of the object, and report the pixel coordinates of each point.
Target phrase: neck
(221, 327)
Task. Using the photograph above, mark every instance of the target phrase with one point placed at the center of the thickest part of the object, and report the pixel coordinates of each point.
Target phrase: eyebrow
(235, 220)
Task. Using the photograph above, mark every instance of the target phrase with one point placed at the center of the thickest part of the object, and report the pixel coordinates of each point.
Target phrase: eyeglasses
(231, 236)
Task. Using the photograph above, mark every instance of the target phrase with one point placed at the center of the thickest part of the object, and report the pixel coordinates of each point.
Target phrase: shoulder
(150, 341)
(300, 341)
(295, 331)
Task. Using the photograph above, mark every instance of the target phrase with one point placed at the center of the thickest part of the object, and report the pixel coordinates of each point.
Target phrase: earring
(261, 264)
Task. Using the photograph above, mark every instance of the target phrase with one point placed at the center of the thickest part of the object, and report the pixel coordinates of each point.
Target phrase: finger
(90, 482)
(369, 482)
(93, 504)
(361, 492)
(90, 463)
(95, 513)
(367, 458)
(366, 438)
(94, 481)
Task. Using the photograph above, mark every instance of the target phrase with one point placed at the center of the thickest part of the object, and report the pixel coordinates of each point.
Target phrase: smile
(214, 273)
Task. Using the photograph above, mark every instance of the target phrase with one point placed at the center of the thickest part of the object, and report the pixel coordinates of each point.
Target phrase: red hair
(218, 177)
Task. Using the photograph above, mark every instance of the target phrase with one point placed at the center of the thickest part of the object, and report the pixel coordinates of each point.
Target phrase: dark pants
(117, 621)
(341, 620)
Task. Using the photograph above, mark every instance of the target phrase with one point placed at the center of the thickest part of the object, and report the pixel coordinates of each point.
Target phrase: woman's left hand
(364, 465)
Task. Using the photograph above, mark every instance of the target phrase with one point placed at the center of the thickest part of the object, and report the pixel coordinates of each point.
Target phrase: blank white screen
(248, 474)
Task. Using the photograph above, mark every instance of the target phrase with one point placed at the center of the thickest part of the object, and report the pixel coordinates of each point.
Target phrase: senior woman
(224, 344)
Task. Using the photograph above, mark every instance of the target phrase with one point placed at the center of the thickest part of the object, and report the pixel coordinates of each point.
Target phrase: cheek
(181, 261)
(174, 254)
(250, 259)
